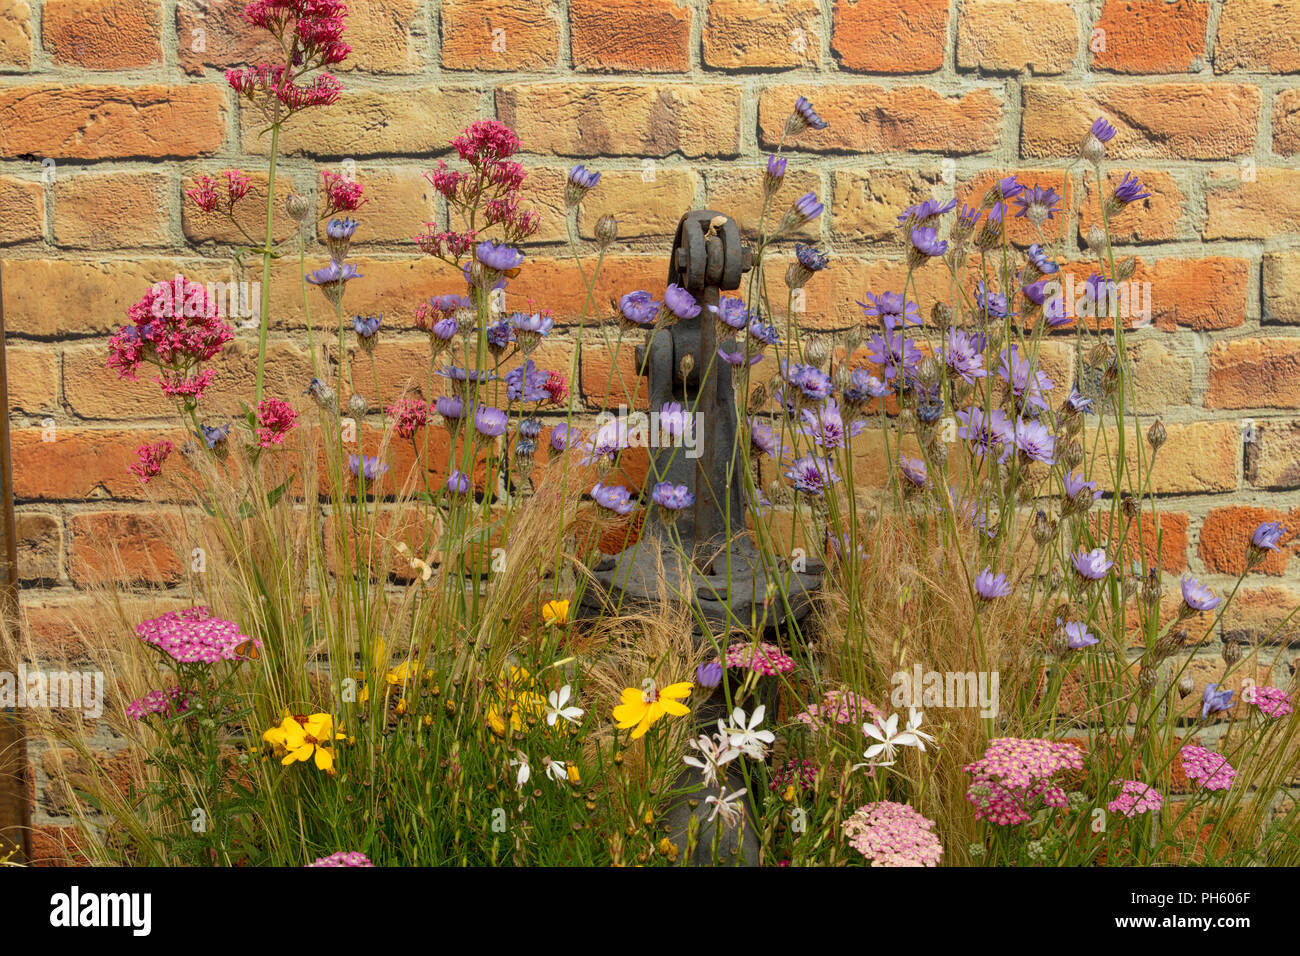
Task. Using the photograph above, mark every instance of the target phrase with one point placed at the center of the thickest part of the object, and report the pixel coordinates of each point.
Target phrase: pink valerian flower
(173, 700)
(556, 387)
(443, 244)
(341, 194)
(194, 636)
(264, 82)
(1211, 770)
(150, 460)
(205, 195)
(1015, 776)
(893, 834)
(485, 142)
(1271, 701)
(410, 415)
(1135, 798)
(313, 28)
(275, 418)
(839, 707)
(342, 858)
(765, 659)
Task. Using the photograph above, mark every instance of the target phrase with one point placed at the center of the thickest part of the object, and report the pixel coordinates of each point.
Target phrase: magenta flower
(1135, 798)
(893, 834)
(171, 701)
(275, 418)
(1271, 701)
(1211, 770)
(410, 415)
(1016, 777)
(342, 858)
(149, 460)
(193, 636)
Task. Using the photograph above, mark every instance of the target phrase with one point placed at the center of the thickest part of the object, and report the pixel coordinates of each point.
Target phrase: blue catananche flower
(680, 302)
(812, 474)
(764, 437)
(638, 309)
(497, 256)
(672, 497)
(1092, 565)
(963, 352)
(825, 425)
(366, 326)
(450, 407)
(214, 435)
(891, 309)
(1037, 204)
(893, 352)
(489, 422)
(527, 383)
(805, 209)
(581, 181)
(921, 213)
(863, 387)
(990, 586)
(804, 117)
(334, 274)
(1197, 596)
(810, 257)
(613, 498)
(811, 382)
(1075, 485)
(775, 166)
(709, 674)
(927, 243)
(531, 324)
(1027, 383)
(1079, 403)
(1041, 261)
(1005, 189)
(738, 358)
(731, 312)
(990, 234)
(458, 483)
(564, 437)
(913, 470)
(338, 237)
(1077, 635)
(1266, 537)
(993, 304)
(1129, 191)
(986, 433)
(366, 466)
(1093, 147)
(1035, 441)
(967, 218)
(1214, 700)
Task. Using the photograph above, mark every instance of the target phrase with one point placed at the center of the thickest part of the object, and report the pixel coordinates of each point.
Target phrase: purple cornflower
(366, 326)
(1266, 537)
(926, 244)
(993, 304)
(989, 585)
(581, 181)
(366, 466)
(913, 470)
(1197, 596)
(963, 353)
(1092, 565)
(527, 383)
(891, 309)
(1128, 191)
(458, 483)
(564, 437)
(489, 422)
(1027, 385)
(672, 497)
(763, 437)
(497, 256)
(984, 432)
(613, 498)
(1037, 203)
(1077, 635)
(639, 309)
(680, 302)
(1035, 441)
(1214, 700)
(1039, 259)
(812, 383)
(811, 474)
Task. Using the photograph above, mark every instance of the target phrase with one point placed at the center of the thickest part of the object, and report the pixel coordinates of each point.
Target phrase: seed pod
(687, 364)
(606, 231)
(1097, 239)
(816, 353)
(1125, 268)
(757, 399)
(1146, 677)
(1156, 435)
(297, 206)
(1186, 685)
(1130, 507)
(1231, 652)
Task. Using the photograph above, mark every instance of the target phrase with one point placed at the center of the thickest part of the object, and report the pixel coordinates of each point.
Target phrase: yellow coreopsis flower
(514, 691)
(641, 708)
(555, 613)
(311, 739)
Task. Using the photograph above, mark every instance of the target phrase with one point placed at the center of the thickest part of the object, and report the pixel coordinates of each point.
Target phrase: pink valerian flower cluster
(1017, 775)
(557, 388)
(173, 700)
(1135, 798)
(763, 658)
(1271, 701)
(801, 773)
(258, 83)
(275, 419)
(235, 186)
(492, 187)
(1211, 770)
(193, 636)
(409, 416)
(312, 33)
(839, 707)
(343, 858)
(340, 193)
(175, 326)
(149, 460)
(893, 834)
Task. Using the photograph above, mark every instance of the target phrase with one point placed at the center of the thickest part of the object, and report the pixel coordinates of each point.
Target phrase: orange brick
(1177, 120)
(103, 34)
(630, 35)
(738, 191)
(500, 34)
(742, 34)
(642, 208)
(216, 35)
(1140, 538)
(1262, 616)
(1265, 207)
(1273, 458)
(33, 373)
(875, 119)
(16, 34)
(1019, 230)
(80, 463)
(1286, 123)
(123, 547)
(112, 122)
(890, 36)
(1281, 282)
(866, 203)
(111, 210)
(1225, 536)
(22, 211)
(250, 212)
(386, 36)
(1015, 36)
(1255, 373)
(40, 546)
(1259, 36)
(1198, 458)
(1150, 36)
(1154, 219)
(605, 385)
(399, 203)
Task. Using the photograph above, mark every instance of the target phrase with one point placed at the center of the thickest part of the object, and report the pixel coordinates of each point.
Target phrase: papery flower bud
(757, 399)
(1231, 652)
(1156, 435)
(1146, 677)
(1096, 239)
(816, 353)
(297, 206)
(687, 364)
(1186, 684)
(1044, 529)
(606, 231)
(1125, 268)
(358, 405)
(1129, 506)
(941, 315)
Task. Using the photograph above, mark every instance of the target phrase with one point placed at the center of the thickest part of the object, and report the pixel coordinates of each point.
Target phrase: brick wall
(676, 103)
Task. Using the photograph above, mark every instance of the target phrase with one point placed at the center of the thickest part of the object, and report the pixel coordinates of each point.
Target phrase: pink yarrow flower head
(1271, 701)
(149, 460)
(893, 834)
(839, 707)
(1211, 770)
(194, 636)
(342, 858)
(1016, 777)
(173, 700)
(1135, 798)
(275, 419)
(763, 658)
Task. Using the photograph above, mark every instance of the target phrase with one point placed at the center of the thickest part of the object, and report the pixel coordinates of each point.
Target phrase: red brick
(630, 35)
(873, 119)
(632, 119)
(1140, 536)
(890, 36)
(111, 210)
(1154, 219)
(1266, 207)
(1204, 294)
(112, 122)
(1016, 36)
(1019, 230)
(1169, 120)
(103, 34)
(1151, 36)
(54, 845)
(604, 386)
(1260, 36)
(123, 547)
(500, 34)
(250, 212)
(40, 546)
(1255, 373)
(756, 34)
(16, 34)
(1263, 615)
(1225, 536)
(1286, 123)
(866, 203)
(80, 464)
(214, 34)
(22, 211)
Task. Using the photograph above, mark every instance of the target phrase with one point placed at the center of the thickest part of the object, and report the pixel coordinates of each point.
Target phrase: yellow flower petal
(630, 714)
(682, 689)
(676, 708)
(318, 726)
(324, 759)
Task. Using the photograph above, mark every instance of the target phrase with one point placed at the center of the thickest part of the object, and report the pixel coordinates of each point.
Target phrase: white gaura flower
(715, 753)
(556, 770)
(524, 772)
(556, 709)
(745, 736)
(727, 805)
(888, 737)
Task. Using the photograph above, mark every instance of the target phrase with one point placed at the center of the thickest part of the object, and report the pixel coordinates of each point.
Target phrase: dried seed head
(1156, 435)
(816, 353)
(757, 399)
(927, 373)
(1130, 507)
(606, 231)
(1073, 455)
(941, 314)
(297, 206)
(1231, 652)
(1125, 268)
(1097, 239)
(1186, 684)
(1146, 677)
(687, 364)
(1044, 529)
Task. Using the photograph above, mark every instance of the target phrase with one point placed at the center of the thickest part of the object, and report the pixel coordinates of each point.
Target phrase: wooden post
(15, 811)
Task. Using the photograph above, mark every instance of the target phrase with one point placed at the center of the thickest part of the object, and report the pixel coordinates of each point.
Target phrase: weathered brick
(1263, 616)
(33, 374)
(1019, 229)
(872, 119)
(125, 547)
(1261, 36)
(755, 34)
(103, 34)
(1265, 207)
(1014, 36)
(250, 212)
(214, 34)
(633, 119)
(1286, 123)
(40, 546)
(386, 36)
(1154, 219)
(890, 36)
(500, 34)
(1150, 36)
(1152, 120)
(642, 208)
(1255, 373)
(1281, 283)
(111, 210)
(738, 191)
(866, 203)
(1225, 535)
(630, 35)
(606, 385)
(1203, 294)
(1273, 458)
(22, 211)
(112, 122)
(79, 464)
(1140, 538)
(1162, 378)
(15, 35)
(399, 203)
(1199, 457)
